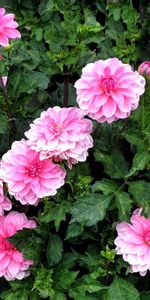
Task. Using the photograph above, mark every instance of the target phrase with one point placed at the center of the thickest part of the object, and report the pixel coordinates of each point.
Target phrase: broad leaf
(124, 204)
(54, 249)
(91, 209)
(121, 289)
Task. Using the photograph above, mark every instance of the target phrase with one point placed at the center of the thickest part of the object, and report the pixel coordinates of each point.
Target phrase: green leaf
(54, 250)
(91, 209)
(145, 295)
(11, 295)
(74, 229)
(4, 122)
(59, 296)
(121, 289)
(55, 212)
(124, 204)
(28, 243)
(106, 186)
(115, 163)
(64, 278)
(133, 136)
(44, 283)
(140, 190)
(140, 161)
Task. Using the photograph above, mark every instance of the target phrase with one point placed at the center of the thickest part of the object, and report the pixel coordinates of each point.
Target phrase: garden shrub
(72, 249)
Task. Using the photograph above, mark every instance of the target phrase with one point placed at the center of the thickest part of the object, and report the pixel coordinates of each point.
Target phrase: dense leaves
(72, 247)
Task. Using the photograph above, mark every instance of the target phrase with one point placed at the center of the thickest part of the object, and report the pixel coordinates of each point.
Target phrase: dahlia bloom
(7, 28)
(144, 68)
(28, 177)
(12, 263)
(5, 203)
(61, 133)
(133, 242)
(109, 90)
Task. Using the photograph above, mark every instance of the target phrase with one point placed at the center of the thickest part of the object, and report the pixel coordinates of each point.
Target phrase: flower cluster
(109, 90)
(12, 263)
(133, 242)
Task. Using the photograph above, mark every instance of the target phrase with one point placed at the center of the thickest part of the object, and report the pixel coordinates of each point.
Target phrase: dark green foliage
(72, 247)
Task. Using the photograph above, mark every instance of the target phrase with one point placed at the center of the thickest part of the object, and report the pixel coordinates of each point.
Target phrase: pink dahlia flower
(62, 133)
(109, 90)
(144, 68)
(5, 203)
(7, 28)
(12, 263)
(133, 242)
(28, 177)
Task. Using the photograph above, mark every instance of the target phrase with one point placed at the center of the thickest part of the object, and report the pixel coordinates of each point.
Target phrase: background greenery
(73, 246)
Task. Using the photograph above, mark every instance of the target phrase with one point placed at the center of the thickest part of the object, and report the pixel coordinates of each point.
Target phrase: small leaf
(124, 205)
(140, 161)
(91, 209)
(54, 250)
(106, 186)
(140, 190)
(74, 229)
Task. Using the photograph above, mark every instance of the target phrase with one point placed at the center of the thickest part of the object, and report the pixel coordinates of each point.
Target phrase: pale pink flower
(7, 28)
(28, 177)
(5, 203)
(12, 263)
(109, 90)
(144, 68)
(133, 242)
(4, 78)
(61, 133)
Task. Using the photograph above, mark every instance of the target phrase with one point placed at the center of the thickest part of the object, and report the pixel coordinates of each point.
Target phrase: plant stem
(66, 89)
(8, 111)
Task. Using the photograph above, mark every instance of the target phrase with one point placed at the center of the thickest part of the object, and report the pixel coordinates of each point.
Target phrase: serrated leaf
(90, 209)
(133, 136)
(43, 283)
(114, 163)
(124, 205)
(11, 295)
(74, 229)
(140, 161)
(54, 249)
(121, 289)
(64, 278)
(140, 190)
(55, 212)
(106, 186)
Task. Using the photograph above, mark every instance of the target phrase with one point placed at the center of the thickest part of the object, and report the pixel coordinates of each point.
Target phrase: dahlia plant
(75, 141)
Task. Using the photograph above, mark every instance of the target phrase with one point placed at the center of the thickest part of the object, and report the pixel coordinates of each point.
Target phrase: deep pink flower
(61, 133)
(109, 90)
(12, 263)
(7, 28)
(28, 177)
(133, 242)
(144, 68)
(5, 203)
